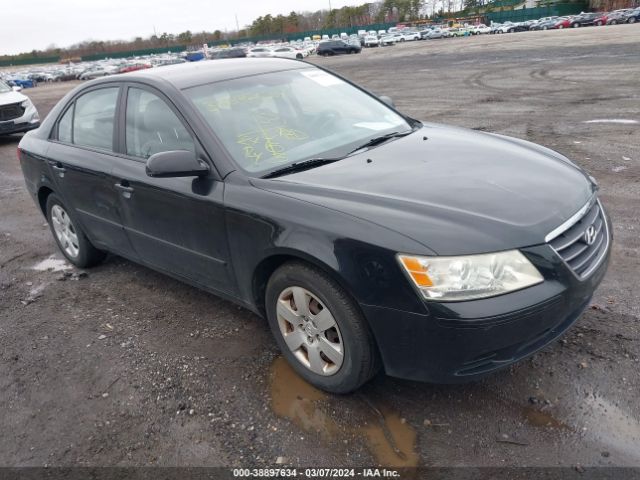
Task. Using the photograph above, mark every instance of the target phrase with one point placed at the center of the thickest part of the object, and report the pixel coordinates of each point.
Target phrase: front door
(174, 224)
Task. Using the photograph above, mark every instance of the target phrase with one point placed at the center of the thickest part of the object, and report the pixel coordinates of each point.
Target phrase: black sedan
(366, 238)
(337, 47)
(584, 19)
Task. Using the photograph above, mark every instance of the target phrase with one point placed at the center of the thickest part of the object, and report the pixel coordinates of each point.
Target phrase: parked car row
(32, 76)
(625, 15)
(302, 48)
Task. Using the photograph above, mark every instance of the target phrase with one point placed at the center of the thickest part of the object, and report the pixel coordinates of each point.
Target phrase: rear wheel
(299, 56)
(614, 22)
(632, 19)
(599, 23)
(576, 25)
(71, 240)
(320, 329)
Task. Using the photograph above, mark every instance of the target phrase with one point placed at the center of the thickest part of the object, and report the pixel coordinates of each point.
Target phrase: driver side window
(152, 127)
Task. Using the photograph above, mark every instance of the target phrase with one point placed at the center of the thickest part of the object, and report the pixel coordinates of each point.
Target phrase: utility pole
(237, 24)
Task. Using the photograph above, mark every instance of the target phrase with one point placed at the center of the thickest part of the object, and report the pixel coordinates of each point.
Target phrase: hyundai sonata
(368, 240)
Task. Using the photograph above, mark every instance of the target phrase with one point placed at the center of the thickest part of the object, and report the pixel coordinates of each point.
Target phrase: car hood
(11, 97)
(455, 191)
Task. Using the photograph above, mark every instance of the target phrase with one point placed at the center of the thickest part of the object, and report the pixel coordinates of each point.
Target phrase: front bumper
(7, 128)
(30, 120)
(461, 341)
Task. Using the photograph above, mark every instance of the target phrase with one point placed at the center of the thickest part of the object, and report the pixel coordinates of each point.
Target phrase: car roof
(186, 75)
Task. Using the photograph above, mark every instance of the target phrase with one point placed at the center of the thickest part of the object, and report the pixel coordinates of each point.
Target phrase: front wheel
(320, 329)
(71, 240)
(575, 25)
(632, 19)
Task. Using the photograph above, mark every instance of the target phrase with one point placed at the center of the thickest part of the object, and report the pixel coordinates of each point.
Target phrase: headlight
(470, 277)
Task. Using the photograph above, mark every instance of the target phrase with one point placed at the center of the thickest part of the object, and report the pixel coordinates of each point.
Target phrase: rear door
(80, 161)
(174, 224)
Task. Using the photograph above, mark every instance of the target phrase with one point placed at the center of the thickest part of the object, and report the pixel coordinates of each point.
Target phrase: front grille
(583, 245)
(10, 112)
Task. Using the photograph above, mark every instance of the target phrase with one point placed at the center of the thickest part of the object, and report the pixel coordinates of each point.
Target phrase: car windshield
(276, 119)
(4, 88)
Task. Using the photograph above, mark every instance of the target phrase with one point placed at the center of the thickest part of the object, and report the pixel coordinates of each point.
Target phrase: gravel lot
(120, 365)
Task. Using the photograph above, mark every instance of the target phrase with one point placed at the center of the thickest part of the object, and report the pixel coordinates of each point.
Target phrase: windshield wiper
(380, 139)
(316, 162)
(299, 166)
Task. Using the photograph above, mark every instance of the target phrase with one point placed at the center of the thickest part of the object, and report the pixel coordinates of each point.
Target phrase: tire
(599, 23)
(86, 255)
(560, 27)
(545, 28)
(576, 25)
(614, 22)
(299, 56)
(632, 19)
(350, 334)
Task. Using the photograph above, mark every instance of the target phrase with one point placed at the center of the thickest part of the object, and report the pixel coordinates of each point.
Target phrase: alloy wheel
(310, 331)
(65, 231)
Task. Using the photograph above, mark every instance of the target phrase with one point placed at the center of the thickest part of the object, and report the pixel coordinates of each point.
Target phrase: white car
(387, 40)
(409, 36)
(259, 52)
(288, 52)
(17, 113)
(371, 41)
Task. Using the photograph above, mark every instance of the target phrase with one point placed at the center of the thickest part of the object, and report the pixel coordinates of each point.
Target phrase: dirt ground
(120, 365)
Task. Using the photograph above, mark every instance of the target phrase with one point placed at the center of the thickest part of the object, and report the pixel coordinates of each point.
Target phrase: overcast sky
(36, 24)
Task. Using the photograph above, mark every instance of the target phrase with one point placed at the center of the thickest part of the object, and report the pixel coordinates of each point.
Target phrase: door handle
(125, 189)
(57, 166)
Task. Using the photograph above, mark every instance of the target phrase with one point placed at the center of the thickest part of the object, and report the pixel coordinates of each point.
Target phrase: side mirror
(387, 100)
(16, 88)
(177, 163)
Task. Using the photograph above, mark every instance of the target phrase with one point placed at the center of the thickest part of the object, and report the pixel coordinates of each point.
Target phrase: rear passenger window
(64, 126)
(152, 127)
(94, 117)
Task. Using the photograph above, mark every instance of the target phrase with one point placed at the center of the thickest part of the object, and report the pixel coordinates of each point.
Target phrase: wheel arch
(43, 194)
(269, 264)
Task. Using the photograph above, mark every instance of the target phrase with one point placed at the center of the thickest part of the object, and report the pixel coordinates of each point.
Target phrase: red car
(601, 19)
(133, 68)
(563, 22)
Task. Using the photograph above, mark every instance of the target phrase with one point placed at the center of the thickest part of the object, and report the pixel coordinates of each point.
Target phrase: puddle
(540, 418)
(52, 264)
(390, 440)
(295, 399)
